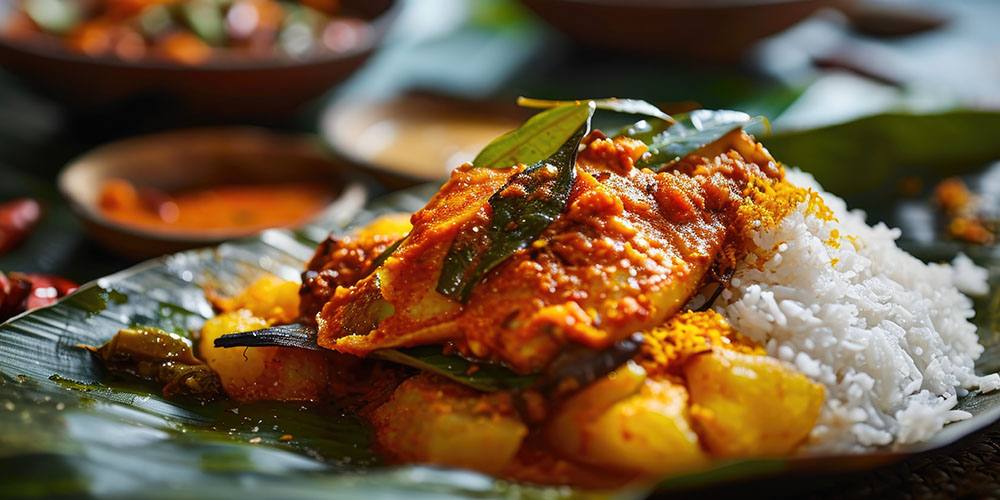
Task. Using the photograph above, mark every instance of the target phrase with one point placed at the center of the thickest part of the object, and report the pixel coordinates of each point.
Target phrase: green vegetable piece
(54, 16)
(630, 106)
(538, 138)
(165, 358)
(691, 132)
(154, 21)
(487, 377)
(522, 209)
(205, 19)
(298, 30)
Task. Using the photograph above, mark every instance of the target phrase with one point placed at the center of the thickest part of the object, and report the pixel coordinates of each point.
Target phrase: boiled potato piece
(270, 298)
(626, 421)
(261, 373)
(433, 420)
(747, 405)
(388, 225)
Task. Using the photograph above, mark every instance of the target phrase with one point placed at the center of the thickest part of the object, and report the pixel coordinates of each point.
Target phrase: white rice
(887, 335)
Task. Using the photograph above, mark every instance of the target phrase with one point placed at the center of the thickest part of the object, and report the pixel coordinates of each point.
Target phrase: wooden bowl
(199, 158)
(709, 30)
(258, 88)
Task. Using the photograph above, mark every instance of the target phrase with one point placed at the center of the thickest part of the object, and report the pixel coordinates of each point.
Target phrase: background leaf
(865, 154)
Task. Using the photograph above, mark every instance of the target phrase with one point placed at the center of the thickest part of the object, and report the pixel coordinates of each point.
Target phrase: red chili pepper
(17, 218)
(13, 296)
(20, 292)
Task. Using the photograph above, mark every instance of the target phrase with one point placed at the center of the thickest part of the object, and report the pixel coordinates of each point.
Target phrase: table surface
(523, 57)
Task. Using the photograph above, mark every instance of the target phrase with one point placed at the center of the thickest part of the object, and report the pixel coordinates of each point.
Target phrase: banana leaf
(69, 429)
(867, 153)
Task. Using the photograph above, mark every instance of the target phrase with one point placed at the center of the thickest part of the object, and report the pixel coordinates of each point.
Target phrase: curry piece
(344, 260)
(628, 422)
(963, 210)
(285, 373)
(746, 405)
(433, 420)
(697, 391)
(262, 373)
(630, 249)
(269, 297)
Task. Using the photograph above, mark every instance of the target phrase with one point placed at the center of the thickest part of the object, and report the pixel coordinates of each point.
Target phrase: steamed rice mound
(888, 335)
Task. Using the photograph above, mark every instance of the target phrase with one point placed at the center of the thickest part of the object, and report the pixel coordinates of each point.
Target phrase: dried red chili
(18, 218)
(20, 292)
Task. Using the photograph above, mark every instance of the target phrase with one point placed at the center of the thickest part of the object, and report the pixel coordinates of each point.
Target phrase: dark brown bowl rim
(675, 5)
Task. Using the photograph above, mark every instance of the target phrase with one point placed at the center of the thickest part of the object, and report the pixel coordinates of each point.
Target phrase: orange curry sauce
(231, 208)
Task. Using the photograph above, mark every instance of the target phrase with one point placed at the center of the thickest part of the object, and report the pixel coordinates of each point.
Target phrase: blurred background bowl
(197, 159)
(259, 88)
(709, 30)
(412, 138)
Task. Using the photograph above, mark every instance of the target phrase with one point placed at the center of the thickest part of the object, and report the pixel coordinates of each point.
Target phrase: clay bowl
(199, 158)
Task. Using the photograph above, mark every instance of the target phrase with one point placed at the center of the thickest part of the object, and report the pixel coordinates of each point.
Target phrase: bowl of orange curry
(162, 193)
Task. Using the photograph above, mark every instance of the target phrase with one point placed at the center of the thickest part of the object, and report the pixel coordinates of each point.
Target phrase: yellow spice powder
(668, 346)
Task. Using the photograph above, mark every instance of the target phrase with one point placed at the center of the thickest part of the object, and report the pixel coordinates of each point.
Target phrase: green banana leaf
(867, 153)
(69, 429)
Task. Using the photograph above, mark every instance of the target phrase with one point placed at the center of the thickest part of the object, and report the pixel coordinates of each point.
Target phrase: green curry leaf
(538, 138)
(630, 106)
(481, 376)
(864, 154)
(522, 209)
(691, 132)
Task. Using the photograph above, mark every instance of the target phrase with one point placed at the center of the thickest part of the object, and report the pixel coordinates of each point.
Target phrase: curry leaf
(692, 132)
(382, 257)
(538, 138)
(481, 376)
(522, 209)
(630, 106)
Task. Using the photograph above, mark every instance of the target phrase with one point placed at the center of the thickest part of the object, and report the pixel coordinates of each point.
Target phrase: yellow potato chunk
(261, 373)
(628, 422)
(270, 298)
(747, 405)
(429, 419)
(389, 224)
